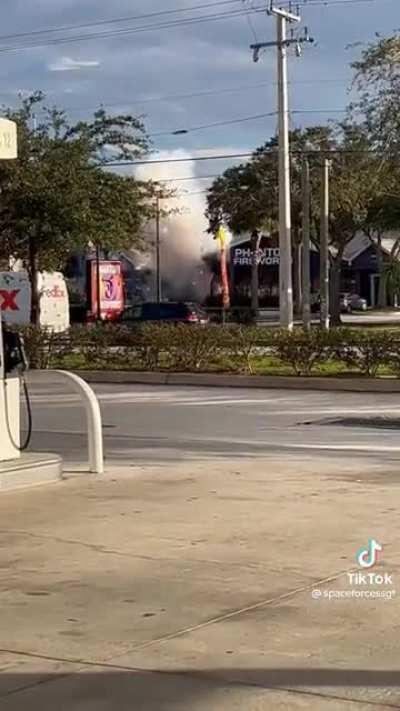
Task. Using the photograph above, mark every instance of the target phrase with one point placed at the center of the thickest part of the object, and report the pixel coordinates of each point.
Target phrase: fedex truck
(16, 299)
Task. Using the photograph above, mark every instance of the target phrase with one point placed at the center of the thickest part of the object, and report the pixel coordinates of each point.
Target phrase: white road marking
(244, 443)
(65, 400)
(164, 399)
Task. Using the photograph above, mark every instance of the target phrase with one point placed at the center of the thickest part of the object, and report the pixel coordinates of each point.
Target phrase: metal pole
(285, 268)
(306, 283)
(255, 300)
(158, 263)
(324, 245)
(2, 353)
(98, 288)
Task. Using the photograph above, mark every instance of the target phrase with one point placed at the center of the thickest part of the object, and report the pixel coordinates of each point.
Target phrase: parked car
(345, 303)
(166, 312)
(358, 303)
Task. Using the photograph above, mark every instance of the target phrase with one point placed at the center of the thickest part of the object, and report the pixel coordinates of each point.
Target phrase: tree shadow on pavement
(203, 690)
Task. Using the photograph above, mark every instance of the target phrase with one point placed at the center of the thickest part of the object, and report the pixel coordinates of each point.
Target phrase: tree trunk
(32, 273)
(382, 288)
(255, 245)
(336, 273)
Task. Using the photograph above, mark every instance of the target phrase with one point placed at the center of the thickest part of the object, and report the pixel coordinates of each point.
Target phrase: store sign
(111, 289)
(8, 139)
(269, 256)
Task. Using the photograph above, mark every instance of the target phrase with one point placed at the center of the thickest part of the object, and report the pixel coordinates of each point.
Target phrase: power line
(181, 195)
(131, 30)
(179, 132)
(177, 160)
(192, 95)
(325, 3)
(319, 111)
(147, 28)
(117, 20)
(168, 12)
(228, 156)
(194, 177)
(183, 131)
(250, 21)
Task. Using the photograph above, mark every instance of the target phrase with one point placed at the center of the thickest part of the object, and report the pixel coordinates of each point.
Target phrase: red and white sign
(15, 298)
(111, 289)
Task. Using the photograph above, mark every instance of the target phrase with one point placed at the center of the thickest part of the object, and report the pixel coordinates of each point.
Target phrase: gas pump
(34, 468)
(11, 350)
(12, 366)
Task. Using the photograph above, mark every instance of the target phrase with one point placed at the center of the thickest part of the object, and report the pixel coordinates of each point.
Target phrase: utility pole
(282, 44)
(285, 240)
(158, 261)
(324, 245)
(306, 284)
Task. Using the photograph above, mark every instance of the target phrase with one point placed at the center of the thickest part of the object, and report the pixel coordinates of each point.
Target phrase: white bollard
(93, 416)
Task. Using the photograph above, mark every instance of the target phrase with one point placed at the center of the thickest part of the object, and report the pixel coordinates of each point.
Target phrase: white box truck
(16, 298)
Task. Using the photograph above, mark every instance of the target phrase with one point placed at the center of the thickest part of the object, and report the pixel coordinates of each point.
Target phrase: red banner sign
(111, 289)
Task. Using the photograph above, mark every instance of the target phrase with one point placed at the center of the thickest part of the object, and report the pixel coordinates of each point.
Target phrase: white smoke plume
(184, 237)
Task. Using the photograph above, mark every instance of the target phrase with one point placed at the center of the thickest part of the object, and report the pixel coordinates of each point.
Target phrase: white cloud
(67, 64)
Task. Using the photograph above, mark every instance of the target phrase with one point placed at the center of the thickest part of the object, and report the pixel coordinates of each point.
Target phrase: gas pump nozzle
(13, 363)
(14, 352)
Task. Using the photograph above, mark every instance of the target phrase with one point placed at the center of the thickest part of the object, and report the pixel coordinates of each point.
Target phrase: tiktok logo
(367, 557)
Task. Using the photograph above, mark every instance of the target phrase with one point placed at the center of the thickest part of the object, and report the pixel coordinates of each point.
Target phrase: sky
(152, 73)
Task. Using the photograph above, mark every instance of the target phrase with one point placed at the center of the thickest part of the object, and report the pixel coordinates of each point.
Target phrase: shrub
(42, 346)
(238, 345)
(191, 348)
(94, 344)
(365, 350)
(232, 348)
(302, 350)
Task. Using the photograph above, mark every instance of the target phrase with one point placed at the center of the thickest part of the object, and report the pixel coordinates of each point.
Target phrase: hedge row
(213, 348)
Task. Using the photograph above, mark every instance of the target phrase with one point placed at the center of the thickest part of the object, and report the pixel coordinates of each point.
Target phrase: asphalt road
(147, 425)
(390, 317)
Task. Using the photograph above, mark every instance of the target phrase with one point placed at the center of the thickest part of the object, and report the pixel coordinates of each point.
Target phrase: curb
(281, 382)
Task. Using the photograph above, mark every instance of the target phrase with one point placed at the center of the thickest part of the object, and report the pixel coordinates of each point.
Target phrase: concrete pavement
(190, 587)
(184, 578)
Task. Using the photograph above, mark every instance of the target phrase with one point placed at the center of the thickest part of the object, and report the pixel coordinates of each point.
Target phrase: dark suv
(166, 311)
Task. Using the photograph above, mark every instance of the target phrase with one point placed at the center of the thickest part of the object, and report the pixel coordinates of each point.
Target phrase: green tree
(58, 196)
(357, 179)
(243, 198)
(377, 78)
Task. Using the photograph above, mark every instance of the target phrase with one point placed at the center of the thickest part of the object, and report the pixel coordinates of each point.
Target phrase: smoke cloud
(184, 238)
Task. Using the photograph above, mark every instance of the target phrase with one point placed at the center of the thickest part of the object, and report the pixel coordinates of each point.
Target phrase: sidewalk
(189, 588)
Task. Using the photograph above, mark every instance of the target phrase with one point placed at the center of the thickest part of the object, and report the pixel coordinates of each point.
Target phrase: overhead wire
(130, 30)
(326, 3)
(228, 156)
(192, 95)
(193, 177)
(250, 21)
(183, 131)
(147, 28)
(168, 12)
(117, 20)
(178, 132)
